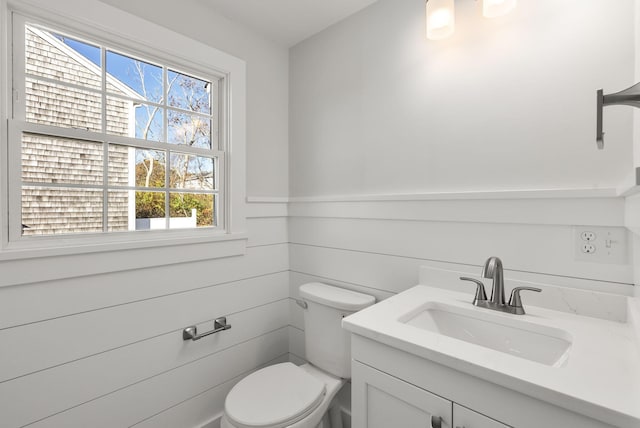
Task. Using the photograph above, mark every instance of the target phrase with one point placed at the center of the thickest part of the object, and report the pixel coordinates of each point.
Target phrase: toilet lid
(274, 396)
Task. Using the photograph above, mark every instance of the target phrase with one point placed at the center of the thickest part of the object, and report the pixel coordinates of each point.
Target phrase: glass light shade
(495, 8)
(440, 19)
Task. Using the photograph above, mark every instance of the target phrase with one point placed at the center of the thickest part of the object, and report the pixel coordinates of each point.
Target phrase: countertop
(600, 378)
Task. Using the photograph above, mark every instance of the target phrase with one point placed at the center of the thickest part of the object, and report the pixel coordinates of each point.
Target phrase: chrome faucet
(492, 269)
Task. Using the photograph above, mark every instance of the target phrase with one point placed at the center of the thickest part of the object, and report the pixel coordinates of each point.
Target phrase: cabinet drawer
(383, 401)
(466, 418)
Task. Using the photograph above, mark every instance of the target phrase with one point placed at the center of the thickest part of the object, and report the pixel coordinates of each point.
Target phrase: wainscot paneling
(296, 342)
(632, 213)
(558, 208)
(378, 245)
(18, 271)
(46, 344)
(197, 411)
(547, 249)
(258, 207)
(30, 398)
(395, 273)
(296, 360)
(126, 407)
(96, 345)
(267, 231)
(45, 300)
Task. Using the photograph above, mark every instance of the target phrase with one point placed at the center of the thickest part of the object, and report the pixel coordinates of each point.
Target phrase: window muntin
(129, 116)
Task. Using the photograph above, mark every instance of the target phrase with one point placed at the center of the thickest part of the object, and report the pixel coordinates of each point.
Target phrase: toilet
(289, 396)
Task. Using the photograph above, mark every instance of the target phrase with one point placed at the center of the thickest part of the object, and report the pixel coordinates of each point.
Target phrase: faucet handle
(480, 293)
(516, 301)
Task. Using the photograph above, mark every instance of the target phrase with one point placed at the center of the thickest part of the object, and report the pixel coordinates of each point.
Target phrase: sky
(145, 79)
(124, 69)
(121, 67)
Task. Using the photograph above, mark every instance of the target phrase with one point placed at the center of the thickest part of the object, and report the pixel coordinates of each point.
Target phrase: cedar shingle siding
(59, 160)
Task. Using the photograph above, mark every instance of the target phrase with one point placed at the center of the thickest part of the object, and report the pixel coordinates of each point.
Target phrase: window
(104, 139)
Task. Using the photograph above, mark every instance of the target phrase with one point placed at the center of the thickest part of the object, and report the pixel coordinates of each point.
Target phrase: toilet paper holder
(191, 333)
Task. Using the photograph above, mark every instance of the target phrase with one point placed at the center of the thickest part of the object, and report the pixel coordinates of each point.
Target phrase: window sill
(38, 247)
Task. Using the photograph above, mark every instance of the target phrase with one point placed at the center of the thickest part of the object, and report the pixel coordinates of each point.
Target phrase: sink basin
(542, 344)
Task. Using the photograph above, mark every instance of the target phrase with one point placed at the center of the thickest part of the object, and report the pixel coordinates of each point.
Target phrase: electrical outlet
(600, 244)
(588, 236)
(588, 248)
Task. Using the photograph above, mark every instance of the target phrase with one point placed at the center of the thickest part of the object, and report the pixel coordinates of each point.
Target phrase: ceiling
(287, 22)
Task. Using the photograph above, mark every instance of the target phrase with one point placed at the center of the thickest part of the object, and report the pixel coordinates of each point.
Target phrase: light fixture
(495, 8)
(440, 19)
(441, 15)
(628, 97)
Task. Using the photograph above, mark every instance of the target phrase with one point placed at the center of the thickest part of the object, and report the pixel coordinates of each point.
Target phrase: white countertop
(600, 379)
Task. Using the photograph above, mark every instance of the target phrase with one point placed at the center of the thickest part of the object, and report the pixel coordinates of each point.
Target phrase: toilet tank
(327, 345)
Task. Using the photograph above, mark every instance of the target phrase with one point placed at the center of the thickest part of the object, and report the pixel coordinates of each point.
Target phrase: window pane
(134, 78)
(189, 93)
(50, 211)
(148, 124)
(62, 58)
(134, 119)
(121, 117)
(192, 172)
(48, 159)
(149, 168)
(185, 206)
(121, 213)
(59, 105)
(121, 181)
(189, 130)
(135, 166)
(150, 210)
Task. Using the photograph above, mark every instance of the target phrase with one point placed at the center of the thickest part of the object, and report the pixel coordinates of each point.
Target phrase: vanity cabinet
(395, 388)
(466, 418)
(381, 401)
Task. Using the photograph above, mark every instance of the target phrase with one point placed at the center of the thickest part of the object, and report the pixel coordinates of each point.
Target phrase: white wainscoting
(632, 221)
(191, 413)
(377, 245)
(102, 347)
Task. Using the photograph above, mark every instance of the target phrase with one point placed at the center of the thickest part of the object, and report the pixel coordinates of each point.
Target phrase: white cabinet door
(383, 401)
(465, 418)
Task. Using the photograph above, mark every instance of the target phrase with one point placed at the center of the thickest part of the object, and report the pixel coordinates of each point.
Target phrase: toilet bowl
(279, 396)
(289, 396)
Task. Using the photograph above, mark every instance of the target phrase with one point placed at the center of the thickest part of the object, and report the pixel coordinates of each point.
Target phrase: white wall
(632, 221)
(507, 103)
(267, 83)
(633, 206)
(106, 349)
(381, 120)
(636, 112)
(96, 339)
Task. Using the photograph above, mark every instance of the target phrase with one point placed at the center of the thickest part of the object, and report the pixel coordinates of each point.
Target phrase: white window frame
(147, 41)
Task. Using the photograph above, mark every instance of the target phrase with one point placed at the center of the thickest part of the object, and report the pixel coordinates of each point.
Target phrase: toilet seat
(274, 397)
